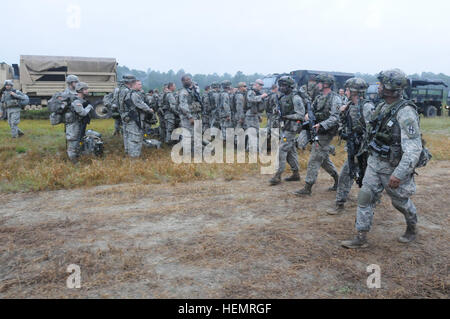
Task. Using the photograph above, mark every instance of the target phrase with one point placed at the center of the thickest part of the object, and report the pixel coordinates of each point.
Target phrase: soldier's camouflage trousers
(133, 139)
(320, 157)
(170, 121)
(206, 122)
(302, 140)
(345, 184)
(118, 125)
(370, 194)
(288, 152)
(224, 125)
(14, 120)
(186, 125)
(73, 140)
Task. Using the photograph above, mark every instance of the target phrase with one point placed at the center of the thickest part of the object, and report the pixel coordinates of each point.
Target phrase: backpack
(57, 108)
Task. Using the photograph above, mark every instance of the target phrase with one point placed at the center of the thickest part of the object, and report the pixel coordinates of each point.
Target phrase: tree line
(152, 79)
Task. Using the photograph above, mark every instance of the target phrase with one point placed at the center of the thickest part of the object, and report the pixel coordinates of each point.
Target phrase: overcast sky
(227, 36)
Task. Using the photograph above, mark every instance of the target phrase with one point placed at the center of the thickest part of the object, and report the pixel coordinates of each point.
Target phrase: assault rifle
(357, 172)
(309, 125)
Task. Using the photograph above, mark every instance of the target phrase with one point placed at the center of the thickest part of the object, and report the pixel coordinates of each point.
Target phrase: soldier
(326, 109)
(355, 117)
(290, 112)
(169, 106)
(135, 109)
(214, 101)
(241, 105)
(255, 105)
(206, 111)
(343, 96)
(271, 105)
(225, 114)
(76, 119)
(308, 92)
(395, 147)
(127, 81)
(112, 100)
(11, 103)
(189, 106)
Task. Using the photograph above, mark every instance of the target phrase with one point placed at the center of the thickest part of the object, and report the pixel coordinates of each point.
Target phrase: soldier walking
(395, 147)
(290, 112)
(326, 110)
(11, 103)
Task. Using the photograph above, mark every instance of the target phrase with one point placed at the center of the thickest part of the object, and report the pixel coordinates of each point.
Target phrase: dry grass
(38, 161)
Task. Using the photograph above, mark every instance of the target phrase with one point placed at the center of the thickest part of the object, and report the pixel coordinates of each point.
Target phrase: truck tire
(100, 111)
(431, 111)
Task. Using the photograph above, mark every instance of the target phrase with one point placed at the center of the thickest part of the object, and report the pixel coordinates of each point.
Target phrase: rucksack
(58, 105)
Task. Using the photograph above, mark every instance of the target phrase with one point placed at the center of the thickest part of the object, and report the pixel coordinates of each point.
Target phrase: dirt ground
(218, 239)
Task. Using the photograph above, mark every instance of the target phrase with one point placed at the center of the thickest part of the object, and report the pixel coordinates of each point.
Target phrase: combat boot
(410, 235)
(306, 191)
(339, 209)
(336, 182)
(276, 180)
(360, 241)
(294, 178)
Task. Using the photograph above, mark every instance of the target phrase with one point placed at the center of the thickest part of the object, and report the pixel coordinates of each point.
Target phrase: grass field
(38, 160)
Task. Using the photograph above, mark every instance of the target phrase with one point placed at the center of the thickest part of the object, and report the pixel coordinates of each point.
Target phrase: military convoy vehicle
(429, 100)
(42, 76)
(302, 77)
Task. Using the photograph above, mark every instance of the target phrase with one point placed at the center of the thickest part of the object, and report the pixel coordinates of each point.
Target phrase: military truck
(428, 100)
(42, 76)
(302, 77)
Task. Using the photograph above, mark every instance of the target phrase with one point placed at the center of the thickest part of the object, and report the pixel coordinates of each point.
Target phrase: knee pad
(365, 197)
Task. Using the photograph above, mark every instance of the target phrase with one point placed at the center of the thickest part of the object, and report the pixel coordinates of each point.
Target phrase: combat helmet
(128, 78)
(81, 86)
(393, 80)
(72, 78)
(215, 85)
(226, 84)
(287, 81)
(325, 79)
(357, 85)
(9, 82)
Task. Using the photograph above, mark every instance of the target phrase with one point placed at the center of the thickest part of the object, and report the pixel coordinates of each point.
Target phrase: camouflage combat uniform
(225, 114)
(77, 113)
(12, 106)
(134, 135)
(326, 110)
(241, 105)
(406, 147)
(206, 111)
(291, 108)
(189, 108)
(169, 105)
(360, 116)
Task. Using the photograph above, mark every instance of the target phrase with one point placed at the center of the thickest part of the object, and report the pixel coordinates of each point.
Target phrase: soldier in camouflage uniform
(128, 81)
(343, 96)
(206, 111)
(359, 110)
(271, 105)
(214, 96)
(76, 120)
(169, 106)
(308, 92)
(326, 109)
(225, 114)
(11, 103)
(290, 112)
(135, 110)
(189, 107)
(240, 99)
(255, 105)
(395, 148)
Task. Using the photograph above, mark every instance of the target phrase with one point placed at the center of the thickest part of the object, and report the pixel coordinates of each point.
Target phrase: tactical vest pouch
(69, 118)
(425, 156)
(395, 155)
(56, 118)
(12, 103)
